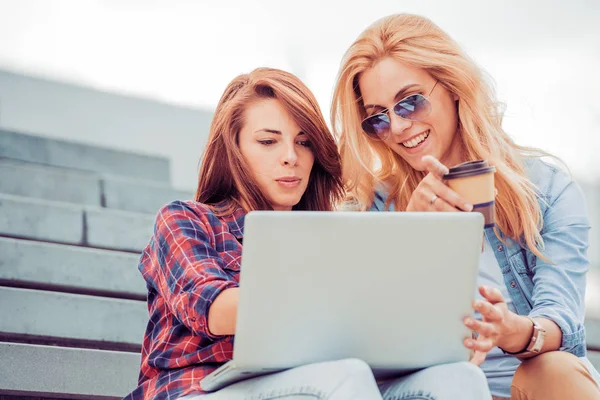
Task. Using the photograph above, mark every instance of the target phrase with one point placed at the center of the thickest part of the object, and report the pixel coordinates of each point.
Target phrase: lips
(289, 181)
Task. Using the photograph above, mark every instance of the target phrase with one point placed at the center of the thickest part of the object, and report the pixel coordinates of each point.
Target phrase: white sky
(543, 54)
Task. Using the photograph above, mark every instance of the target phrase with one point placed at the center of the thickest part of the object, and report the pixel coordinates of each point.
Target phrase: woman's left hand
(499, 326)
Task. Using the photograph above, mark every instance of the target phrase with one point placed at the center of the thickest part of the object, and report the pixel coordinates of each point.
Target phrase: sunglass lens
(376, 125)
(414, 107)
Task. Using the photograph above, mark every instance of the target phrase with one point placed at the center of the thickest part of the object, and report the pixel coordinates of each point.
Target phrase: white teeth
(415, 141)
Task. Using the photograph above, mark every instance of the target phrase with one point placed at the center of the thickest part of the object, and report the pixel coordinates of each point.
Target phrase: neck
(455, 155)
(281, 208)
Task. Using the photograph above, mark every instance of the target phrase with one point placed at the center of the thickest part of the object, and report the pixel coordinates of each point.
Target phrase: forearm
(223, 312)
(553, 334)
(523, 330)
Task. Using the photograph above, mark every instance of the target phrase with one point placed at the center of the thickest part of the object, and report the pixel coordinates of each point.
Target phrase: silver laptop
(389, 288)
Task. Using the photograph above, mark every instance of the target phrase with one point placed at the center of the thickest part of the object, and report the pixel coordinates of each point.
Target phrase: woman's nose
(398, 124)
(290, 156)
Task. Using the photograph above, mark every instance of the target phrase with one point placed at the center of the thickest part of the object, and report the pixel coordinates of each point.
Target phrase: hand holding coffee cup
(432, 194)
(474, 181)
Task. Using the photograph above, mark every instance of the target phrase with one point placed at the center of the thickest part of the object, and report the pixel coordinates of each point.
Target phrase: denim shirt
(553, 290)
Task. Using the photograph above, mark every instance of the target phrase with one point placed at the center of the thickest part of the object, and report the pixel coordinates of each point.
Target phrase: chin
(287, 202)
(415, 164)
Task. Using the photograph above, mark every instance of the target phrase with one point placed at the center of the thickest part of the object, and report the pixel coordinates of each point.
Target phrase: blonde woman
(408, 105)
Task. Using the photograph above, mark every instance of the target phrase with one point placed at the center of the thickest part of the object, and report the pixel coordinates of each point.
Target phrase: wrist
(517, 340)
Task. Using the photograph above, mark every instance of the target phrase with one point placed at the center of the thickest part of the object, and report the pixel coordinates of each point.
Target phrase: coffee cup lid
(469, 168)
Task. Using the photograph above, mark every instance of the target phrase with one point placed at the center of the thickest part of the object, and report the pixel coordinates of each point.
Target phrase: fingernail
(468, 207)
(469, 343)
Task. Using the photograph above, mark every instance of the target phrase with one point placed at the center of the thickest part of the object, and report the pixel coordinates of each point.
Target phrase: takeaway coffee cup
(474, 181)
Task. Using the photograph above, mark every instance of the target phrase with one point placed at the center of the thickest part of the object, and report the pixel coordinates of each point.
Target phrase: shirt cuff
(573, 335)
(198, 321)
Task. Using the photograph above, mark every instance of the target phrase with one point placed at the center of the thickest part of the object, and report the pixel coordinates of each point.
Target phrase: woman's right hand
(433, 194)
(477, 357)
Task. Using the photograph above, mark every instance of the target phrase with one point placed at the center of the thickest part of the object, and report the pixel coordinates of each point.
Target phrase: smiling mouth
(414, 142)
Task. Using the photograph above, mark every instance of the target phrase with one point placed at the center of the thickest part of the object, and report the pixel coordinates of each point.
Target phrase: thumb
(478, 357)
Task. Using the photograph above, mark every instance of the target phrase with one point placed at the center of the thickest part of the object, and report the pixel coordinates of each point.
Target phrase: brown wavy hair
(224, 173)
(418, 42)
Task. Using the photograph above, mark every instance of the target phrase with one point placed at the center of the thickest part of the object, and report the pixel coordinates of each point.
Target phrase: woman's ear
(454, 97)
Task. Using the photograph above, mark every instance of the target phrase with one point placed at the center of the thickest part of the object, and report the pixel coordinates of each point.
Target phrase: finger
(483, 328)
(481, 344)
(434, 166)
(443, 206)
(488, 311)
(493, 295)
(449, 195)
(478, 357)
(425, 197)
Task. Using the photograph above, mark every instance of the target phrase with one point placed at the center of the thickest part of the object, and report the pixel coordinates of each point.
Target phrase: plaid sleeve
(187, 269)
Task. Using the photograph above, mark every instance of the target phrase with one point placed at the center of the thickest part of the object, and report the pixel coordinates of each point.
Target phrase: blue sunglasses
(415, 107)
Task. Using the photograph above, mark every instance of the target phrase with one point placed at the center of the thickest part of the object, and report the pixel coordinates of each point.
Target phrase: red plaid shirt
(191, 258)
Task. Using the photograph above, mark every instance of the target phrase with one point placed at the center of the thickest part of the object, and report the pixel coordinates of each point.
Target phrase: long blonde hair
(366, 163)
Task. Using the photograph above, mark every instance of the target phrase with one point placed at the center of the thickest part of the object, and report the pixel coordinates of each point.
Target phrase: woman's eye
(377, 112)
(266, 142)
(305, 143)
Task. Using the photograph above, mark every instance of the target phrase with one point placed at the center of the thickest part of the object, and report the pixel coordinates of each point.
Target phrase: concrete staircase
(73, 221)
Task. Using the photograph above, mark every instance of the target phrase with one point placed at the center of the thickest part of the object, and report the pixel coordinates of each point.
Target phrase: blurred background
(105, 107)
(543, 54)
(144, 76)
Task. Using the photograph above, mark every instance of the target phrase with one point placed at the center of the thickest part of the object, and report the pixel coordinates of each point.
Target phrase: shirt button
(513, 284)
(500, 247)
(193, 319)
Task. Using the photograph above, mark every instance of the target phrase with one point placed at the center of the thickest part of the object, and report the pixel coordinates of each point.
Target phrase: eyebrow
(276, 132)
(398, 95)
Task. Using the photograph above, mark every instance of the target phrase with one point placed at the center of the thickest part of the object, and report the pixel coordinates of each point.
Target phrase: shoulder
(560, 198)
(380, 196)
(187, 214)
(550, 180)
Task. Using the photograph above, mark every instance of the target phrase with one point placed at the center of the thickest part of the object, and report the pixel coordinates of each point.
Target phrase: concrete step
(60, 153)
(43, 182)
(41, 220)
(86, 188)
(144, 197)
(72, 269)
(22, 217)
(119, 230)
(30, 370)
(594, 357)
(72, 318)
(592, 309)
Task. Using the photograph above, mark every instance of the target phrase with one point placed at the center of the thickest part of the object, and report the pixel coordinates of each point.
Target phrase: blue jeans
(352, 379)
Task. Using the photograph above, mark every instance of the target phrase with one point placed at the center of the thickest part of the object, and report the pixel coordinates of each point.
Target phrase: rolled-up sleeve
(559, 285)
(184, 266)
